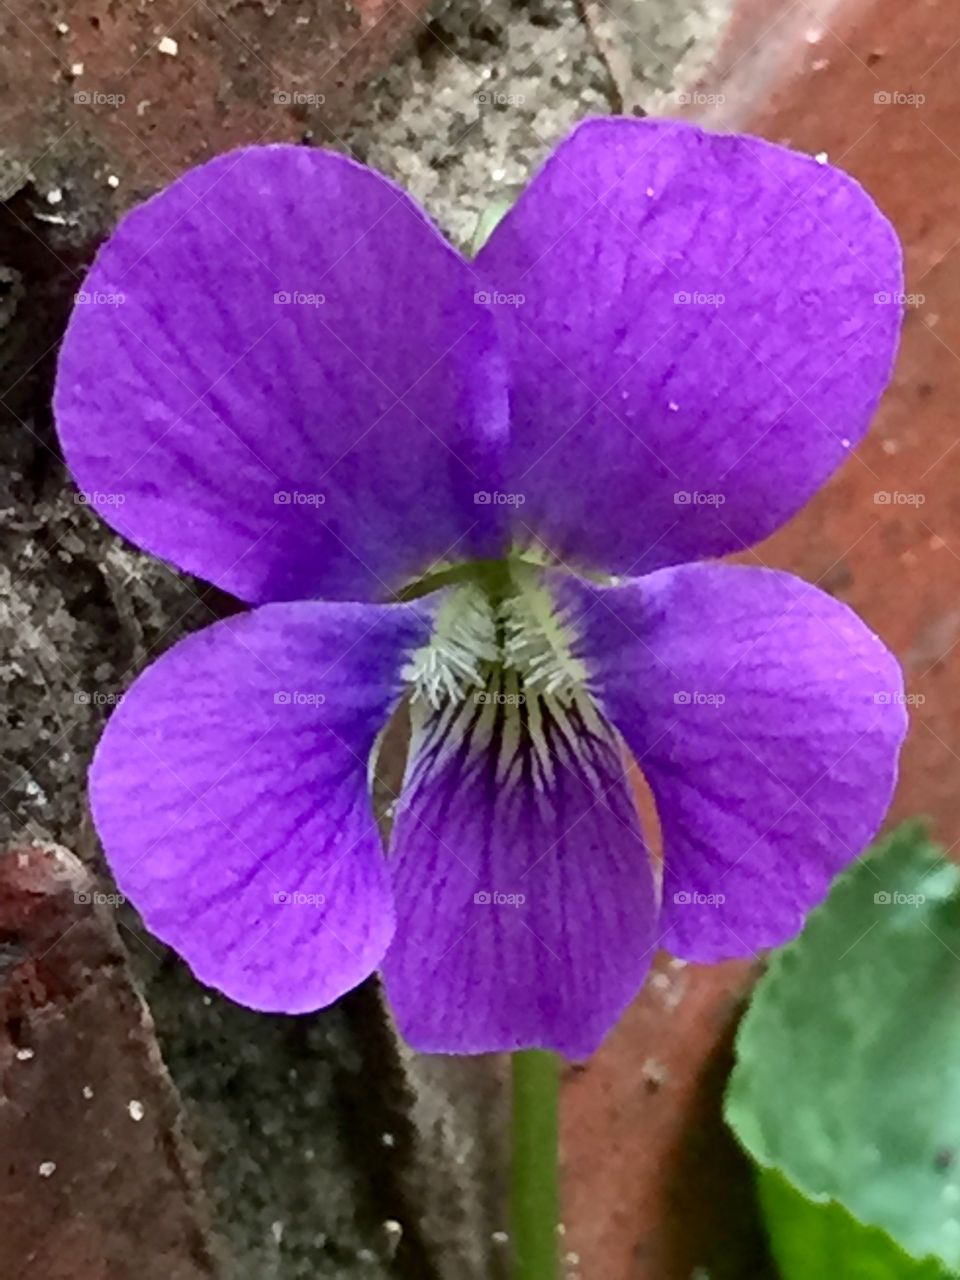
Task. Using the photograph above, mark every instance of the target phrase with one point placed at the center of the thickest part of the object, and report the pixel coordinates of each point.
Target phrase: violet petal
(707, 326)
(230, 790)
(280, 381)
(525, 901)
(766, 718)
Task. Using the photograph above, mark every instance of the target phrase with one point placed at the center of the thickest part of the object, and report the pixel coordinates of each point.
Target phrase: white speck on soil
(54, 196)
(47, 1169)
(135, 1107)
(87, 1092)
(113, 181)
(24, 1055)
(168, 46)
(654, 1073)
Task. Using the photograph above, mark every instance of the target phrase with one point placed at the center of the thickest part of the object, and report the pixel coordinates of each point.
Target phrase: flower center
(499, 627)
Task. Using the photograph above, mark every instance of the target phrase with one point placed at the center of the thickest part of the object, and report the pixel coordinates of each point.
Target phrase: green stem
(534, 1196)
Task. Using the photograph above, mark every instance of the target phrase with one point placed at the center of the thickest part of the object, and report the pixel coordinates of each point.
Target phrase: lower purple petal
(525, 900)
(768, 721)
(230, 792)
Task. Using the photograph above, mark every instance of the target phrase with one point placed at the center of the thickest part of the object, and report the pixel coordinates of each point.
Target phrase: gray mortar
(316, 1130)
(463, 125)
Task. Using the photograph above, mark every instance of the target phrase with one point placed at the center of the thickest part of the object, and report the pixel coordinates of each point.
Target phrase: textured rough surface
(496, 86)
(328, 1151)
(97, 1180)
(139, 91)
(655, 1187)
(876, 89)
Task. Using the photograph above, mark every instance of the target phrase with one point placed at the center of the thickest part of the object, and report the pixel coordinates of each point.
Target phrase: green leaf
(820, 1240)
(489, 219)
(848, 1074)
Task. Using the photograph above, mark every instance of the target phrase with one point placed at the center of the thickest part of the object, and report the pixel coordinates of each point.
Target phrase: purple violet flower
(488, 489)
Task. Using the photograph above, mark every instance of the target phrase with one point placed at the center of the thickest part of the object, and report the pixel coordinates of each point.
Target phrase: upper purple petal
(701, 330)
(768, 721)
(525, 901)
(277, 378)
(230, 792)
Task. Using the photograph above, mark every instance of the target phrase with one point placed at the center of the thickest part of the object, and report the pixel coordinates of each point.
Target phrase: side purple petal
(230, 792)
(525, 901)
(767, 720)
(277, 377)
(706, 325)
